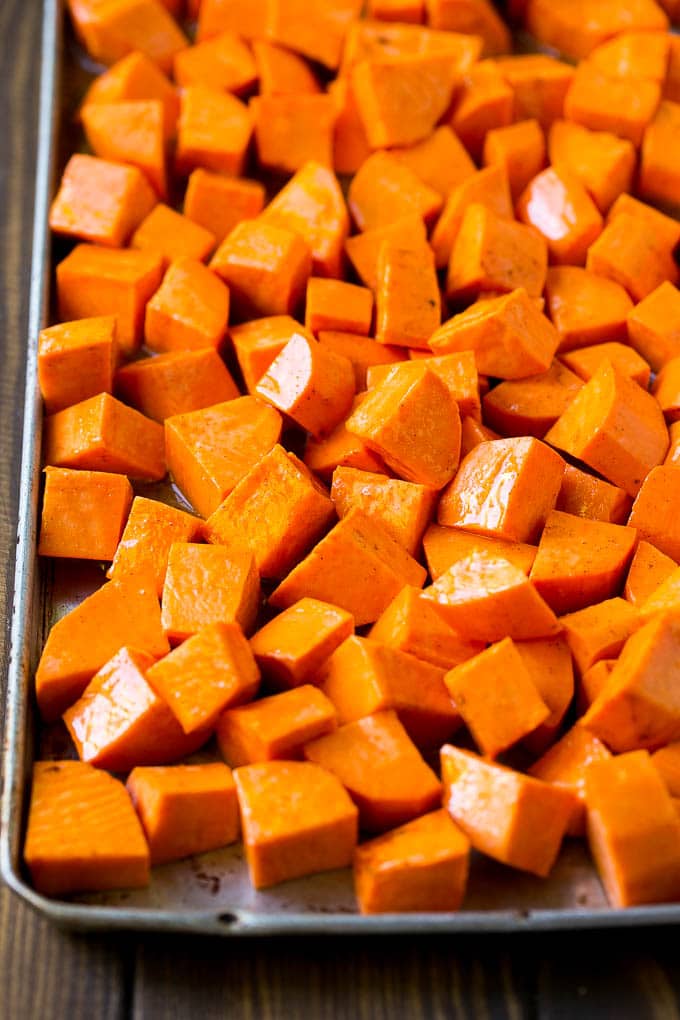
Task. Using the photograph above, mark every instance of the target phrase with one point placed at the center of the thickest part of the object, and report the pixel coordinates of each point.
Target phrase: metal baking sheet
(211, 894)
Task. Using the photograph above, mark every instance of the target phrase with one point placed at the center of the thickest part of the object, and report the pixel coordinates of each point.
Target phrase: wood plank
(43, 972)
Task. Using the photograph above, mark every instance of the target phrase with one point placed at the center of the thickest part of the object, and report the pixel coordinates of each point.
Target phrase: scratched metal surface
(209, 894)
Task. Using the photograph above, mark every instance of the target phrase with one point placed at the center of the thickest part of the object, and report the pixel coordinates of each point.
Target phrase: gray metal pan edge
(317, 906)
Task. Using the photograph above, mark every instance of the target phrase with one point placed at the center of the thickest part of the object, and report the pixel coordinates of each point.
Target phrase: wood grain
(49, 975)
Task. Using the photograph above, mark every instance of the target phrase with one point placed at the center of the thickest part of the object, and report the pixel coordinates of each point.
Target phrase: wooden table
(49, 975)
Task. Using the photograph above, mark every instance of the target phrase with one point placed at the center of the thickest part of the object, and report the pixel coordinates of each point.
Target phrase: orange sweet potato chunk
(666, 389)
(357, 566)
(173, 235)
(185, 809)
(363, 249)
(445, 546)
(278, 511)
(441, 160)
(599, 631)
(190, 310)
(334, 305)
(411, 624)
(119, 722)
(223, 62)
(585, 308)
(659, 180)
(654, 512)
(603, 163)
(421, 866)
(83, 834)
(550, 667)
(175, 383)
(212, 671)
(292, 130)
(211, 450)
(384, 190)
(404, 509)
(133, 133)
(276, 727)
(489, 187)
(292, 647)
(341, 448)
(638, 708)
(100, 201)
(111, 30)
(511, 338)
(630, 254)
(363, 677)
(297, 819)
(520, 149)
(413, 423)
(218, 203)
(566, 765)
(258, 342)
(649, 568)
(407, 300)
(136, 77)
(580, 561)
(282, 72)
(529, 407)
(496, 697)
(208, 584)
(83, 513)
(381, 769)
(213, 132)
(654, 325)
(556, 203)
(614, 427)
(584, 495)
(484, 102)
(485, 598)
(539, 83)
(666, 761)
(513, 818)
(586, 360)
(144, 545)
(504, 489)
(76, 360)
(103, 434)
(633, 831)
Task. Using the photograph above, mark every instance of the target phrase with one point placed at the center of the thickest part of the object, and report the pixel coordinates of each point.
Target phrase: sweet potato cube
(411, 624)
(585, 308)
(401, 98)
(528, 407)
(489, 187)
(189, 311)
(599, 631)
(511, 338)
(654, 325)
(412, 421)
(95, 281)
(110, 31)
(539, 84)
(615, 427)
(211, 450)
(566, 765)
(654, 512)
(666, 228)
(275, 727)
(519, 149)
(132, 133)
(550, 667)
(580, 561)
(633, 831)
(585, 495)
(483, 102)
(485, 598)
(150, 530)
(634, 54)
(292, 130)
(602, 103)
(100, 201)
(119, 722)
(83, 513)
(496, 697)
(664, 599)
(83, 834)
(446, 546)
(649, 568)
(407, 301)
(659, 180)
(207, 584)
(216, 16)
(592, 683)
(341, 449)
(491, 253)
(173, 235)
(339, 306)
(586, 360)
(628, 253)
(666, 761)
(363, 677)
(556, 203)
(384, 190)
(350, 145)
(266, 268)
(224, 63)
(458, 372)
(312, 205)
(504, 489)
(404, 509)
(219, 203)
(212, 671)
(363, 353)
(357, 566)
(278, 511)
(175, 383)
(282, 72)
(258, 342)
(136, 77)
(297, 819)
(639, 708)
(317, 33)
(103, 434)
(292, 647)
(185, 809)
(577, 31)
(421, 866)
(309, 383)
(666, 389)
(381, 768)
(363, 250)
(513, 818)
(213, 132)
(603, 163)
(441, 160)
(76, 360)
